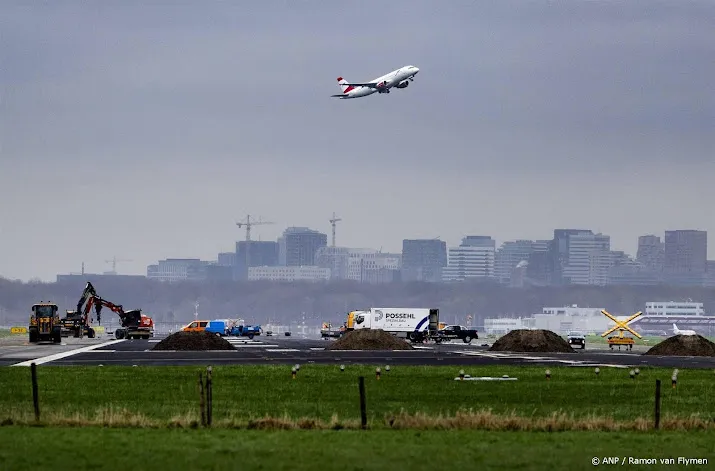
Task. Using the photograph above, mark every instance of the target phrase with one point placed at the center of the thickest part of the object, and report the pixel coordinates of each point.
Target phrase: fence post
(35, 398)
(657, 404)
(363, 410)
(209, 396)
(201, 399)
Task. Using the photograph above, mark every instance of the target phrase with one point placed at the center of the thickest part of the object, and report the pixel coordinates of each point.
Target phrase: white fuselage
(390, 80)
(677, 331)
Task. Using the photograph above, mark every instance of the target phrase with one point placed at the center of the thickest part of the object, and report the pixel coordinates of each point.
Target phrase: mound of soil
(525, 340)
(368, 339)
(194, 341)
(684, 345)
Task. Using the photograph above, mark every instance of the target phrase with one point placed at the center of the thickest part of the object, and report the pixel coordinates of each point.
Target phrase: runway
(288, 350)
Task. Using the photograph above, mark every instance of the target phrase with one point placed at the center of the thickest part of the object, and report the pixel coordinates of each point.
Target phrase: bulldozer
(45, 323)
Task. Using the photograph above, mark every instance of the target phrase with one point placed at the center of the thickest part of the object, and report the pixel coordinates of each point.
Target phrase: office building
(509, 255)
(685, 261)
(178, 269)
(651, 252)
(289, 273)
(473, 259)
(263, 253)
(558, 257)
(423, 259)
(588, 259)
(298, 246)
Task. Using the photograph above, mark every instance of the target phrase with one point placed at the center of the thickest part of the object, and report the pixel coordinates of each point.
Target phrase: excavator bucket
(98, 310)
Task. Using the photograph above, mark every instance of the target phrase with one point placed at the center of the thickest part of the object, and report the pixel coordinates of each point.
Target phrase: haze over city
(147, 132)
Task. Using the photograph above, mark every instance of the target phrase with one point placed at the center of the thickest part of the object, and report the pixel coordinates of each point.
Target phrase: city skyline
(146, 132)
(117, 263)
(674, 250)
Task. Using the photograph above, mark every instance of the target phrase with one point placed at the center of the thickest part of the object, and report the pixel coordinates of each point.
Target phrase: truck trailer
(414, 324)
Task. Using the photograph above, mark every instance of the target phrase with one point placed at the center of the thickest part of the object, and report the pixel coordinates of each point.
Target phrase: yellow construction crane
(113, 261)
(333, 220)
(247, 223)
(621, 326)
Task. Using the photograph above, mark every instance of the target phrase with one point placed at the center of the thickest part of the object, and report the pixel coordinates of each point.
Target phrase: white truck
(414, 324)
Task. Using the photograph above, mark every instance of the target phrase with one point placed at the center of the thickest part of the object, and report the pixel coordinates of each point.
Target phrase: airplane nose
(416, 70)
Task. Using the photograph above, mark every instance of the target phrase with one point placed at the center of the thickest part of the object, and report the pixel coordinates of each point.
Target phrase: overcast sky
(146, 131)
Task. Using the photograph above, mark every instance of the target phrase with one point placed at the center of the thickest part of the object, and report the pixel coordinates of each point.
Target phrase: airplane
(677, 331)
(399, 78)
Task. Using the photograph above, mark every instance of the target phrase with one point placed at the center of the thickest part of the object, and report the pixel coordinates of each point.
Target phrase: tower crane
(113, 261)
(247, 223)
(333, 220)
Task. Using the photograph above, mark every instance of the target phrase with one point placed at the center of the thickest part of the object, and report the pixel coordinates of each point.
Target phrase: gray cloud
(146, 131)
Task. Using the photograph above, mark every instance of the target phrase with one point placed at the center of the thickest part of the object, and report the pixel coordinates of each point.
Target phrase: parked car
(576, 338)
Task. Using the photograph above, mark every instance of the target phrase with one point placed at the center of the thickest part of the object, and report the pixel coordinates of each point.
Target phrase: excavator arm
(100, 303)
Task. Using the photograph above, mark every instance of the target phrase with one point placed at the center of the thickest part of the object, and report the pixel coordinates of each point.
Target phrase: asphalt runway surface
(293, 350)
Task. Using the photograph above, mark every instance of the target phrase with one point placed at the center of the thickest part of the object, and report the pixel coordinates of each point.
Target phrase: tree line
(278, 302)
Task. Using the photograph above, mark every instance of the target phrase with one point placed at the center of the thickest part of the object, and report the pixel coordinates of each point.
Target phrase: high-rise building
(473, 259)
(538, 268)
(686, 251)
(334, 258)
(298, 246)
(263, 253)
(589, 259)
(651, 252)
(509, 255)
(686, 256)
(558, 257)
(423, 259)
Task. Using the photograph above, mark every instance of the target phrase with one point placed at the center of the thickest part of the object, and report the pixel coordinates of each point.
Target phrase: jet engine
(402, 84)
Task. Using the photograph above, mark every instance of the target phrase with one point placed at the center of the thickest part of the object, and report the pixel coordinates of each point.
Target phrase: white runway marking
(254, 345)
(59, 356)
(282, 350)
(317, 349)
(516, 356)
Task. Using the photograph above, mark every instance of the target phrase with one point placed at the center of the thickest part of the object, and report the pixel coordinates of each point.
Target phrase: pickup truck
(451, 332)
(576, 338)
(223, 328)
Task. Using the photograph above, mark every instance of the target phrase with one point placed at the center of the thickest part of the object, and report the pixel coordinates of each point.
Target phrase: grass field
(25, 449)
(164, 394)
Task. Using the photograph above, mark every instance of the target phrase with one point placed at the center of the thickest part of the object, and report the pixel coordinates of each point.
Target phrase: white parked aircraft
(677, 331)
(399, 78)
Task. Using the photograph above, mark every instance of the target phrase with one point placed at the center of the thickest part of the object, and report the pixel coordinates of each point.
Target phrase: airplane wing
(370, 84)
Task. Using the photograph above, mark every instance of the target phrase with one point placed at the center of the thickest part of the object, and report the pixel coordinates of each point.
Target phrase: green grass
(5, 333)
(240, 392)
(25, 449)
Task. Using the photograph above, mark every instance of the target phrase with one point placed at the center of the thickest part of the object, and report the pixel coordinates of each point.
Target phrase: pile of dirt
(194, 341)
(368, 339)
(525, 340)
(684, 345)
